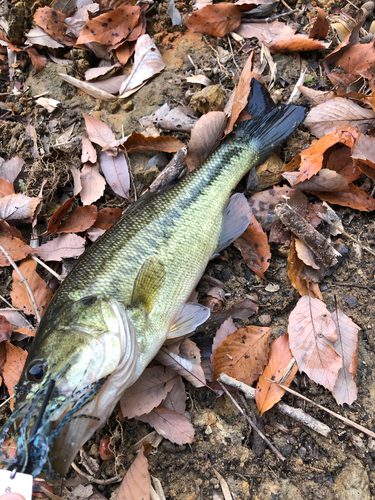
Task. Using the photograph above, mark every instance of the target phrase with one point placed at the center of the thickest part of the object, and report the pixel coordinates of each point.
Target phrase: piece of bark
(172, 171)
(325, 254)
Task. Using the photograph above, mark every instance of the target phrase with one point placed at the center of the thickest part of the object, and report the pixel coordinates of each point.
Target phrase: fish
(128, 295)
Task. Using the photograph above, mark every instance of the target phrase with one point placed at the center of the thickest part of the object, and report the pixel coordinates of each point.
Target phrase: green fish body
(128, 294)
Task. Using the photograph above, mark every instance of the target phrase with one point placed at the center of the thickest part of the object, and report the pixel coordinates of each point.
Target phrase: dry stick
(38, 261)
(23, 280)
(289, 411)
(271, 18)
(252, 423)
(92, 479)
(340, 417)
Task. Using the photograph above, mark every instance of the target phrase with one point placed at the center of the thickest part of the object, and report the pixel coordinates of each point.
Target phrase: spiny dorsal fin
(148, 283)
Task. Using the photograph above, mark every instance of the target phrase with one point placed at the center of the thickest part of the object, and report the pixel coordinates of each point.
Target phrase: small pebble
(351, 301)
(302, 452)
(265, 319)
(272, 288)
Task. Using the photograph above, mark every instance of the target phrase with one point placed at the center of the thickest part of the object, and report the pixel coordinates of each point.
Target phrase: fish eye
(37, 370)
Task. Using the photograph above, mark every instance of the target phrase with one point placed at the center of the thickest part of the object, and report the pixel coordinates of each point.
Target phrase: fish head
(75, 354)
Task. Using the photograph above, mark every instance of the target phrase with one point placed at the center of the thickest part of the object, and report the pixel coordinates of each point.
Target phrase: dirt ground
(340, 466)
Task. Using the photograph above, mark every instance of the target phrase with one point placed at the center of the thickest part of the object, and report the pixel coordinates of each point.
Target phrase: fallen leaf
(37, 36)
(138, 142)
(311, 333)
(147, 63)
(295, 268)
(354, 197)
(169, 119)
(110, 85)
(305, 254)
(338, 113)
(93, 183)
(88, 151)
(10, 169)
(201, 79)
(205, 137)
(148, 391)
(321, 25)
(345, 390)
(214, 20)
(124, 52)
(137, 481)
(81, 219)
(340, 160)
(63, 247)
(243, 354)
(41, 291)
(38, 61)
(58, 216)
(13, 366)
(185, 367)
(49, 104)
(254, 248)
(12, 242)
(316, 96)
(76, 22)
(92, 73)
(266, 32)
(222, 333)
(171, 425)
(242, 310)
(111, 27)
(116, 172)
(296, 43)
(268, 394)
(343, 47)
(52, 22)
(6, 188)
(176, 398)
(324, 180)
(89, 88)
(6, 328)
(107, 217)
(18, 207)
(364, 150)
(98, 131)
(18, 322)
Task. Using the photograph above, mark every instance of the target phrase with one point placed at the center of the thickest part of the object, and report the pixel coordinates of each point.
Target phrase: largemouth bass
(127, 295)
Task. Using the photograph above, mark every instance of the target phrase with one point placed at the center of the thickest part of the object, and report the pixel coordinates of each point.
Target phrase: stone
(353, 483)
(209, 99)
(351, 301)
(265, 319)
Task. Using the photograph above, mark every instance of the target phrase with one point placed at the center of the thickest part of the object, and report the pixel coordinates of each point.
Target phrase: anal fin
(191, 315)
(237, 217)
(148, 283)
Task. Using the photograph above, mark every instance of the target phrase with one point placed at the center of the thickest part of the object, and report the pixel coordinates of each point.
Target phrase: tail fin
(270, 125)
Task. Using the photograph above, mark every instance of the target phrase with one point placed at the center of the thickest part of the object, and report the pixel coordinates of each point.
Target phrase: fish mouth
(37, 423)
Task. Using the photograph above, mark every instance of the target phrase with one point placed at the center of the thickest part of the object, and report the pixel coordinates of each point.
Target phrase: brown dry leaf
(107, 217)
(345, 390)
(148, 391)
(222, 333)
(37, 60)
(6, 187)
(296, 43)
(52, 22)
(243, 354)
(147, 63)
(111, 27)
(241, 310)
(254, 248)
(92, 73)
(63, 247)
(18, 322)
(90, 88)
(324, 180)
(37, 36)
(316, 96)
(311, 159)
(266, 32)
(338, 113)
(321, 25)
(340, 50)
(58, 216)
(137, 481)
(88, 151)
(124, 52)
(6, 328)
(311, 333)
(187, 368)
(241, 94)
(116, 172)
(364, 150)
(10, 169)
(268, 394)
(354, 197)
(215, 20)
(305, 254)
(176, 398)
(138, 142)
(366, 169)
(81, 219)
(41, 291)
(295, 268)
(98, 131)
(13, 366)
(93, 184)
(205, 137)
(340, 160)
(12, 242)
(18, 207)
(171, 425)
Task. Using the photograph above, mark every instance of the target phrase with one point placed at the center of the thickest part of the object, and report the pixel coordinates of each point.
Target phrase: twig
(234, 60)
(286, 5)
(295, 413)
(36, 259)
(337, 415)
(92, 479)
(269, 19)
(5, 402)
(251, 422)
(224, 486)
(23, 280)
(8, 303)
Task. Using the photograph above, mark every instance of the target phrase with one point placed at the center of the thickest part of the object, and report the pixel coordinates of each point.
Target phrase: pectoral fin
(191, 315)
(147, 284)
(237, 217)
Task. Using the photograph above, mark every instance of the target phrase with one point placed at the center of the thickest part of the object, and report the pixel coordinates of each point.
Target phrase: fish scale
(126, 296)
